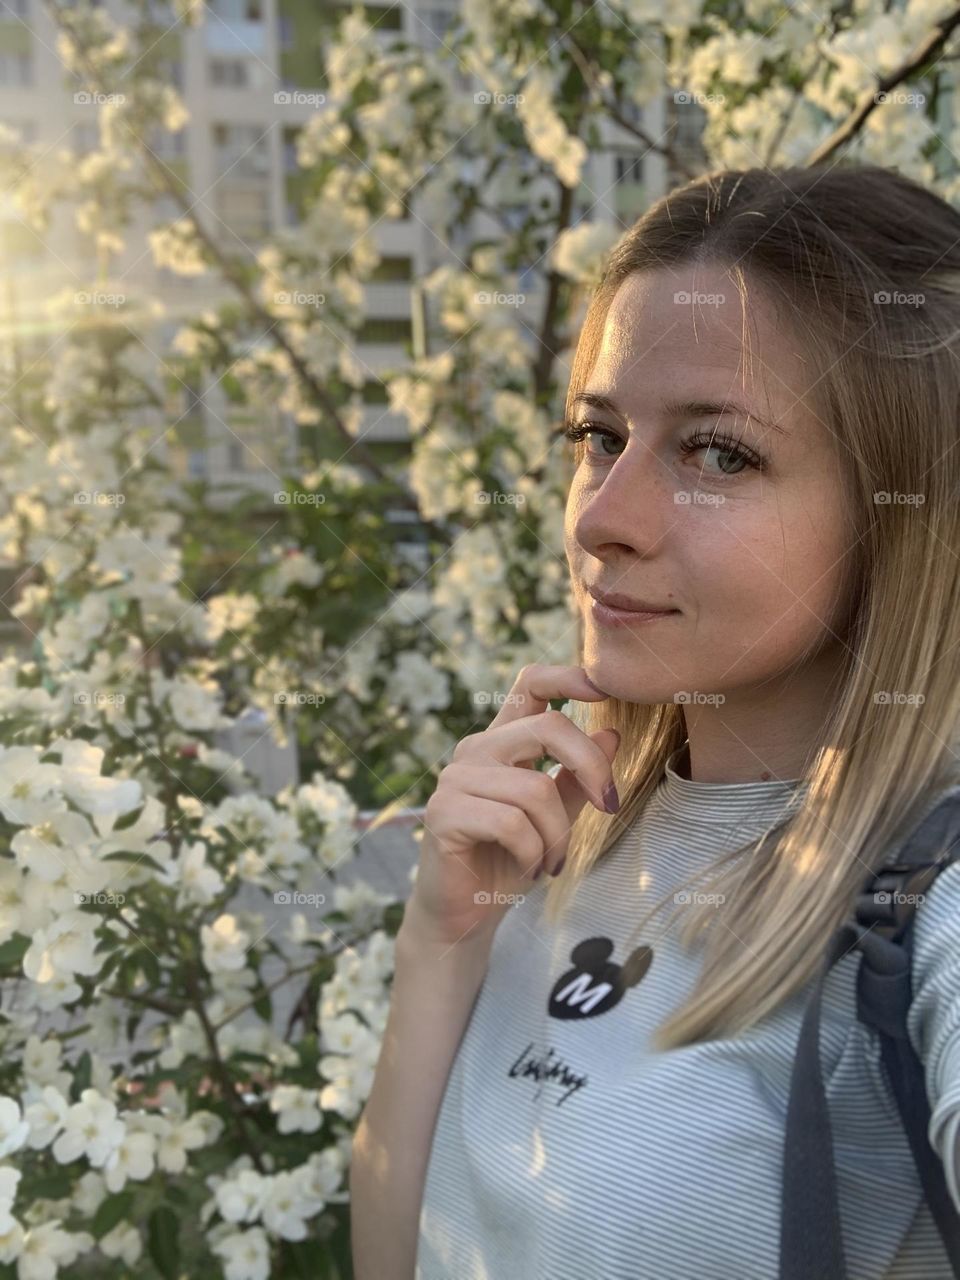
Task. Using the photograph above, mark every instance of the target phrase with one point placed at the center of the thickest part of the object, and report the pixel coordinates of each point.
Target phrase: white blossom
(91, 1128)
(245, 1254)
(224, 945)
(46, 1116)
(64, 948)
(580, 252)
(297, 1109)
(14, 1129)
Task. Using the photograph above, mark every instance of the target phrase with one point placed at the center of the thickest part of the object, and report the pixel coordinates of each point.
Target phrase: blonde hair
(826, 240)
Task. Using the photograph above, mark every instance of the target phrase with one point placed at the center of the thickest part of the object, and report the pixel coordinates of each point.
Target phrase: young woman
(763, 535)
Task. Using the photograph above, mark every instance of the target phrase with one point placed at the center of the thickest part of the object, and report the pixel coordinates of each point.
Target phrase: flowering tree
(154, 1117)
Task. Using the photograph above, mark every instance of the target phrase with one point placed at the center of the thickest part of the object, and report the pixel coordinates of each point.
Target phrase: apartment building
(237, 160)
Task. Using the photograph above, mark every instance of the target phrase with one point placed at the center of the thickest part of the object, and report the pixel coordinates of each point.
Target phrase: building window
(237, 10)
(290, 162)
(229, 73)
(245, 210)
(385, 329)
(375, 393)
(433, 26)
(384, 17)
(390, 269)
(629, 168)
(16, 70)
(197, 463)
(241, 148)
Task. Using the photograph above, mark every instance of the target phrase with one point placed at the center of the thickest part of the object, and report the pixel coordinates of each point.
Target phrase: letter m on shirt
(579, 992)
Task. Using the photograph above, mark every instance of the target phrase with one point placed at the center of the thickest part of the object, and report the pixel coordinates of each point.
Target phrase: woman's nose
(630, 506)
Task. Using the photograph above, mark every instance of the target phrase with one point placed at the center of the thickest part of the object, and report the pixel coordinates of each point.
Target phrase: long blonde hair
(826, 240)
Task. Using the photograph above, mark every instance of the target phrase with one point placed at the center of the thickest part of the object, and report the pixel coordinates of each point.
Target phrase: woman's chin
(648, 691)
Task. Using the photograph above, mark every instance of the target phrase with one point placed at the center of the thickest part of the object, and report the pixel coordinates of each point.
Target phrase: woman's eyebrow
(681, 408)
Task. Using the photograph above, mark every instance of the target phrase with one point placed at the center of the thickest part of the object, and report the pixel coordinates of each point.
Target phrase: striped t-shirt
(566, 1148)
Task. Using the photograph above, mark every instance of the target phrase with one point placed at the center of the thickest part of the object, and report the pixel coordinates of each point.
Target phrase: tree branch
(867, 102)
(168, 186)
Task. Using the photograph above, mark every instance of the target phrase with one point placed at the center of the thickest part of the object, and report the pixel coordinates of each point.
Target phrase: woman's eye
(601, 441)
(728, 461)
(732, 456)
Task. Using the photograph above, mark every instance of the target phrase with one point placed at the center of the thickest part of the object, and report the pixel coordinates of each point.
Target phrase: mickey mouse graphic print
(566, 1148)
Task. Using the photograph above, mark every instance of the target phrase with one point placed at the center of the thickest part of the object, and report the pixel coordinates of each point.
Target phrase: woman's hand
(493, 821)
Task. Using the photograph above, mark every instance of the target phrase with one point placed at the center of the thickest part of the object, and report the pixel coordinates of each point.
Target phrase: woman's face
(748, 547)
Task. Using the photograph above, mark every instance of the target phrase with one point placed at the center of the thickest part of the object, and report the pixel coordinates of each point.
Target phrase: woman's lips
(609, 616)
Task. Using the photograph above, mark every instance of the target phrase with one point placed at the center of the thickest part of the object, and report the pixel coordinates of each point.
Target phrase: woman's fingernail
(610, 798)
(559, 867)
(539, 870)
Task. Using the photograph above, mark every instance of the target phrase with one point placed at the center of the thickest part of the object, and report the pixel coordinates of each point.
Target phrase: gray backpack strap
(811, 1239)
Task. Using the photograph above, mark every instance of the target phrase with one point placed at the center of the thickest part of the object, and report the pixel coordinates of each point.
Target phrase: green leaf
(163, 1241)
(263, 1006)
(13, 951)
(111, 1211)
(51, 1186)
(127, 819)
(81, 1077)
(133, 857)
(150, 966)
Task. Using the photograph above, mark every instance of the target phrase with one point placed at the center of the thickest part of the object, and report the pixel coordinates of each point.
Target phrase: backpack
(811, 1244)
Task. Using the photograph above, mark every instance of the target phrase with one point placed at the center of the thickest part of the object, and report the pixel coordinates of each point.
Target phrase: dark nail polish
(610, 798)
(559, 867)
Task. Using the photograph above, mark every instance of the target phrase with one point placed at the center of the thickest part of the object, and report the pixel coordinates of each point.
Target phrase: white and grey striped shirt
(566, 1148)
